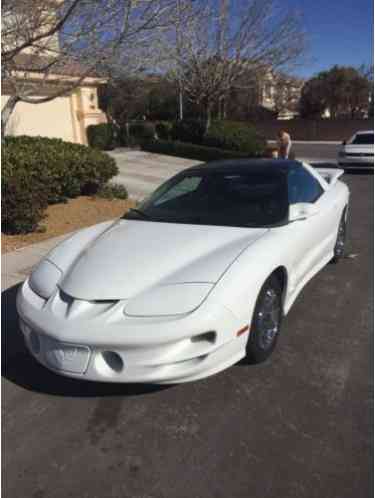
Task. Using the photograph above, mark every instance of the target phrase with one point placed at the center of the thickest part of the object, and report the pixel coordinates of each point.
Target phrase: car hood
(132, 257)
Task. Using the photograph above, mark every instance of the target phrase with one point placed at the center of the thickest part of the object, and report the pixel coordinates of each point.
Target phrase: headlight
(44, 278)
(171, 299)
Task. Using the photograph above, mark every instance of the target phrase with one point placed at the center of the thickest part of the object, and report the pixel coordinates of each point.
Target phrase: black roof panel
(239, 165)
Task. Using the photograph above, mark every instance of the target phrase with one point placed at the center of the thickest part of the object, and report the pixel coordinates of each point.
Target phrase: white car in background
(192, 280)
(358, 151)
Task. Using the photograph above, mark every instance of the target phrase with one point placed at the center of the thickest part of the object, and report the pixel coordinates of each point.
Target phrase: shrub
(126, 140)
(163, 130)
(188, 130)
(191, 151)
(132, 134)
(101, 136)
(234, 136)
(143, 131)
(23, 199)
(51, 169)
(113, 191)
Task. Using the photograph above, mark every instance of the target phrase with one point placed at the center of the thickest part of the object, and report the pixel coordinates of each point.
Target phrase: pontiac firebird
(194, 279)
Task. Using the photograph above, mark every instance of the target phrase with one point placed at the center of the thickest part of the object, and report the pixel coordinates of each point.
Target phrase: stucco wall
(53, 119)
(63, 117)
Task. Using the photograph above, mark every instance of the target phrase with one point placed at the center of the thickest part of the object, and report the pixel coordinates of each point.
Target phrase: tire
(339, 249)
(266, 321)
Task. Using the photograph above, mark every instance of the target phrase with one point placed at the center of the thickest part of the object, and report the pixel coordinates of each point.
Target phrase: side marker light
(243, 330)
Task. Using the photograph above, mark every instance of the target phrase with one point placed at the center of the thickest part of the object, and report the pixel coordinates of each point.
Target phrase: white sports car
(192, 281)
(358, 152)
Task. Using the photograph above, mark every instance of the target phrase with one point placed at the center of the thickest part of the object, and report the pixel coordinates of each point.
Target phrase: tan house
(65, 116)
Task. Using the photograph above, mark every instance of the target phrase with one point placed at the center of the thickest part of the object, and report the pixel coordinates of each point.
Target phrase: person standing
(284, 143)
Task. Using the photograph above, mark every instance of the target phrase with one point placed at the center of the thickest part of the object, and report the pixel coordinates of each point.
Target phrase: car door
(312, 237)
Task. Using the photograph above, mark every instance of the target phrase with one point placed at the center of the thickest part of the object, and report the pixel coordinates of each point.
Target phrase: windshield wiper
(141, 213)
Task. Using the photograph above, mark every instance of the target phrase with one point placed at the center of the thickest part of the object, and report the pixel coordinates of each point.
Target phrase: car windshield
(238, 199)
(363, 139)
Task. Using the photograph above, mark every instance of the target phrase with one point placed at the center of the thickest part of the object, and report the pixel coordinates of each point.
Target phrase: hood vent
(65, 306)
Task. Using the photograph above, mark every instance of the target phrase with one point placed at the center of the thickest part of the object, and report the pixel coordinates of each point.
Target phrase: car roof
(242, 165)
(364, 132)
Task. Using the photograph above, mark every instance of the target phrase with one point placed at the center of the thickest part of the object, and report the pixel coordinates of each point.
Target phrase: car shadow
(19, 367)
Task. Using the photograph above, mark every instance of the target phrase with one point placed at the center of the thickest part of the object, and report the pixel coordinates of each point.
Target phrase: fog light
(113, 361)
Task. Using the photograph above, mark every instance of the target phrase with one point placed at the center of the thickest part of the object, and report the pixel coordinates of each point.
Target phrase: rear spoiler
(330, 175)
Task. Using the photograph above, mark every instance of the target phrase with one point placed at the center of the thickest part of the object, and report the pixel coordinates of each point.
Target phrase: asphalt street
(298, 425)
(315, 151)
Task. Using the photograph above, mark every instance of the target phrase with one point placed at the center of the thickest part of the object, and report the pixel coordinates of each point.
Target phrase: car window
(303, 187)
(185, 186)
(363, 139)
(223, 197)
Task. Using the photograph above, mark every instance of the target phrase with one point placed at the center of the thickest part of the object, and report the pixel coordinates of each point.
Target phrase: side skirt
(293, 296)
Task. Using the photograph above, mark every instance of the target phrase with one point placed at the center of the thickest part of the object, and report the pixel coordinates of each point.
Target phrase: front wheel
(266, 322)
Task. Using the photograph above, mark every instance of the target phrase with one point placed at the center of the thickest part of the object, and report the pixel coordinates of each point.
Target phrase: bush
(101, 136)
(188, 130)
(143, 131)
(127, 140)
(132, 134)
(23, 199)
(163, 130)
(234, 136)
(113, 191)
(49, 169)
(191, 151)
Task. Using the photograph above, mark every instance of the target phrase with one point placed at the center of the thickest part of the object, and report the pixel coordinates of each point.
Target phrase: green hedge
(23, 200)
(142, 130)
(38, 171)
(191, 151)
(136, 133)
(188, 130)
(163, 130)
(101, 136)
(235, 136)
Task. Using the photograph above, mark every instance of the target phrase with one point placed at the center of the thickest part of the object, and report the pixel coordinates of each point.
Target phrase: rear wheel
(266, 322)
(339, 249)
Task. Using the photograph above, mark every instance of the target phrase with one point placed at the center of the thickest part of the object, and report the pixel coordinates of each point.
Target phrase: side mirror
(344, 142)
(302, 211)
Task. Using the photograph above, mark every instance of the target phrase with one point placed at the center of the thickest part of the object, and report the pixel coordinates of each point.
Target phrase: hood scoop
(68, 307)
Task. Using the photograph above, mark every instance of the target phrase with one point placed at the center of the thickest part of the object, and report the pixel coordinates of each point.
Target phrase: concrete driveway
(141, 172)
(299, 425)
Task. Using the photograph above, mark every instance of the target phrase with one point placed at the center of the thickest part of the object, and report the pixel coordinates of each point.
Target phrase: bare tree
(51, 48)
(229, 38)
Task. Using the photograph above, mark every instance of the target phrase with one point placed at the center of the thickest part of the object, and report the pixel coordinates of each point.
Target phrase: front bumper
(111, 347)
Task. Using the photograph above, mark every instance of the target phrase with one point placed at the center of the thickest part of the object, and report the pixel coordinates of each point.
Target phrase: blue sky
(340, 32)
